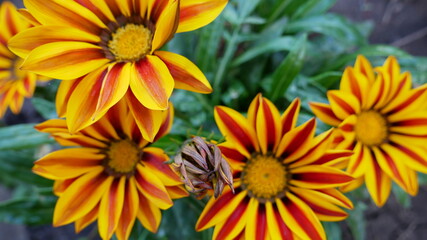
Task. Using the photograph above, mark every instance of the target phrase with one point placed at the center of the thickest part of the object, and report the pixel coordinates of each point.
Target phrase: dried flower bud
(202, 167)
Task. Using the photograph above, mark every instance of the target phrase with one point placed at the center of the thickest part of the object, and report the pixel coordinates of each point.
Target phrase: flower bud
(202, 167)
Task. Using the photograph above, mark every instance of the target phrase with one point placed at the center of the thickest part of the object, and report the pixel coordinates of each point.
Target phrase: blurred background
(398, 23)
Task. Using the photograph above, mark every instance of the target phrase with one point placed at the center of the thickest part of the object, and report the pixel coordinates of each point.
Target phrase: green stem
(225, 61)
(277, 12)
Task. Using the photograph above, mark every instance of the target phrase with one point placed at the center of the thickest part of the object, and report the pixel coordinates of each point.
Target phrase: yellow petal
(166, 25)
(195, 14)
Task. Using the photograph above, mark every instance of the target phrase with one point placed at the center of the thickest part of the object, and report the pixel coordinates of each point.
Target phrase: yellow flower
(110, 174)
(110, 50)
(283, 176)
(384, 120)
(15, 84)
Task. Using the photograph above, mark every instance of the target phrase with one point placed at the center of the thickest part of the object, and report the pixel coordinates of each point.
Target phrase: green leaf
(401, 196)
(15, 167)
(46, 108)
(333, 230)
(270, 46)
(332, 25)
(356, 220)
(288, 69)
(35, 210)
(22, 136)
(327, 79)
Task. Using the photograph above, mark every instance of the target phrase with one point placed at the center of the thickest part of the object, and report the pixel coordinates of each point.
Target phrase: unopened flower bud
(202, 167)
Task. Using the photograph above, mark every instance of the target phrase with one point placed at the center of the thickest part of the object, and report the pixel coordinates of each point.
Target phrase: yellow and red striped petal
(81, 197)
(155, 159)
(378, 93)
(268, 126)
(358, 162)
(256, 226)
(68, 163)
(82, 103)
(151, 83)
(65, 89)
(148, 214)
(346, 134)
(148, 121)
(26, 41)
(364, 66)
(110, 208)
(129, 211)
(414, 156)
(397, 170)
(185, 73)
(167, 122)
(414, 123)
(333, 157)
(275, 224)
(337, 197)
(64, 13)
(65, 60)
(320, 145)
(408, 102)
(233, 156)
(100, 8)
(319, 177)
(377, 182)
(152, 188)
(234, 224)
(290, 116)
(176, 192)
(322, 204)
(195, 14)
(355, 83)
(28, 16)
(85, 221)
(324, 113)
(343, 104)
(236, 129)
(300, 218)
(11, 22)
(166, 25)
(296, 142)
(217, 210)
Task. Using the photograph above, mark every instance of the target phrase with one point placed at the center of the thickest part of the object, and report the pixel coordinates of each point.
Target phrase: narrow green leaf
(271, 46)
(288, 69)
(327, 79)
(21, 136)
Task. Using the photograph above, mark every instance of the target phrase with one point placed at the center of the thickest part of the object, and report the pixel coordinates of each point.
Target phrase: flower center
(122, 157)
(371, 128)
(130, 42)
(265, 177)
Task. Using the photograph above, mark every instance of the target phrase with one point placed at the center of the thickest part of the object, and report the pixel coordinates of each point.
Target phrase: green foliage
(283, 49)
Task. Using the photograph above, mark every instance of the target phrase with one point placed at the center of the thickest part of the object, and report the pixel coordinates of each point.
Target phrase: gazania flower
(112, 49)
(15, 84)
(283, 179)
(384, 120)
(110, 175)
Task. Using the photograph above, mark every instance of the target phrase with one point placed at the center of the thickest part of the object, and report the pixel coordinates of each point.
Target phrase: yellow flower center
(371, 128)
(131, 42)
(122, 157)
(265, 177)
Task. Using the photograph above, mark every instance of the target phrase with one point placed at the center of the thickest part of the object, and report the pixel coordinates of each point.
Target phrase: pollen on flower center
(122, 157)
(264, 177)
(130, 43)
(371, 128)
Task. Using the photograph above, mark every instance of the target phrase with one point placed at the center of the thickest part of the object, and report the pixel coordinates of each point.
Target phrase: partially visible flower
(203, 168)
(110, 174)
(384, 121)
(112, 49)
(283, 176)
(15, 84)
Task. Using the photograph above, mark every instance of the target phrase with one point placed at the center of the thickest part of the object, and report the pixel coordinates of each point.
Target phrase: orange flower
(110, 175)
(15, 84)
(384, 121)
(111, 48)
(283, 176)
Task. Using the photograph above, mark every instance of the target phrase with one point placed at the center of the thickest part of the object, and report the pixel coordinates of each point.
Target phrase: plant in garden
(110, 50)
(282, 49)
(384, 121)
(284, 177)
(15, 84)
(111, 174)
